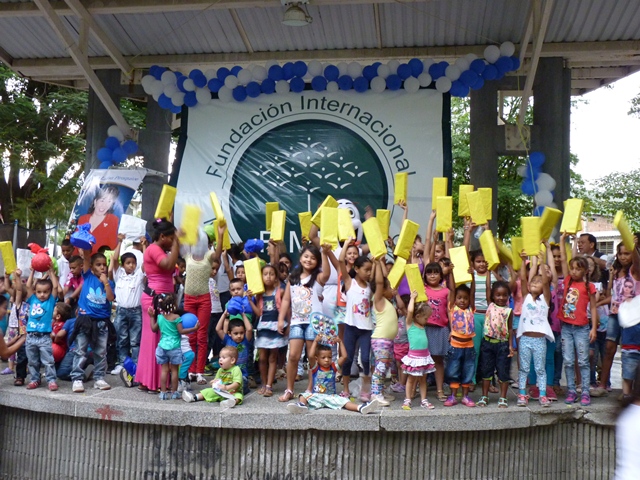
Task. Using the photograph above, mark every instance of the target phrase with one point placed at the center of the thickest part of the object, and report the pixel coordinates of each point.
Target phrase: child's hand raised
(523, 255)
(414, 295)
(17, 273)
(326, 248)
(121, 237)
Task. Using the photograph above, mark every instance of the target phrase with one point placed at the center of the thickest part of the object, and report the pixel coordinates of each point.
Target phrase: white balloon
(211, 73)
(553, 205)
(412, 85)
(156, 88)
(452, 72)
(314, 68)
(545, 182)
(462, 63)
(231, 82)
(147, 81)
(188, 85)
(114, 131)
(470, 57)
(169, 90)
(543, 198)
(425, 79)
(225, 94)
(383, 70)
(259, 73)
(491, 53)
(393, 66)
(427, 63)
(522, 170)
(168, 78)
(333, 87)
(203, 95)
(178, 99)
(378, 84)
(282, 86)
(507, 49)
(245, 76)
(343, 68)
(354, 69)
(155, 96)
(443, 84)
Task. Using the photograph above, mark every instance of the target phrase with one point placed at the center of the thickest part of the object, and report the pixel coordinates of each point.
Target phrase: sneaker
(33, 385)
(53, 386)
(598, 392)
(182, 385)
(551, 395)
(523, 400)
(398, 388)
(88, 372)
(572, 397)
(534, 393)
(585, 399)
(163, 395)
(176, 395)
(381, 400)
(78, 387)
(117, 370)
(127, 379)
(101, 385)
(297, 407)
(188, 397)
(406, 405)
(369, 407)
(228, 403)
(467, 402)
(451, 401)
(544, 401)
(200, 380)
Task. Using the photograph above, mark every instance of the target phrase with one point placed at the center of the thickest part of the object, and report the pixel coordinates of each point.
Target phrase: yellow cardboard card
(269, 208)
(444, 214)
(329, 227)
(215, 204)
(489, 250)
(278, 220)
(476, 208)
(623, 227)
(550, 218)
(190, 222)
(253, 271)
(374, 238)
(517, 245)
(504, 253)
(460, 260)
(226, 241)
(165, 204)
(407, 238)
(8, 257)
(400, 187)
(463, 205)
(327, 202)
(572, 218)
(397, 272)
(531, 235)
(486, 194)
(305, 223)
(412, 271)
(345, 225)
(439, 189)
(384, 220)
(569, 250)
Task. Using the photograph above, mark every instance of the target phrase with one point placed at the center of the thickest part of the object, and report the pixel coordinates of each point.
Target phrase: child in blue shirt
(94, 311)
(42, 304)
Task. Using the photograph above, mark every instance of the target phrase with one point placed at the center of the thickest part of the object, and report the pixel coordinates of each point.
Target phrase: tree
(616, 191)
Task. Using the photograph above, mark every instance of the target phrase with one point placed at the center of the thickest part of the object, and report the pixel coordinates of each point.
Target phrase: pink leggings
(200, 306)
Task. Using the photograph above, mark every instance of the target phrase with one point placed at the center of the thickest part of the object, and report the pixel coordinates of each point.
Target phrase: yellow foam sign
(215, 204)
(305, 223)
(504, 252)
(226, 241)
(476, 208)
(489, 250)
(486, 194)
(345, 225)
(384, 220)
(550, 218)
(329, 227)
(572, 218)
(253, 271)
(517, 245)
(190, 222)
(414, 278)
(8, 257)
(444, 214)
(374, 238)
(531, 235)
(278, 220)
(397, 272)
(400, 187)
(463, 204)
(165, 204)
(439, 189)
(327, 202)
(406, 240)
(623, 227)
(269, 208)
(460, 260)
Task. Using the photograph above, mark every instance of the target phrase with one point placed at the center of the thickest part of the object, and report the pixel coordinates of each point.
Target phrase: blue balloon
(105, 154)
(369, 72)
(537, 212)
(456, 88)
(345, 82)
(159, 71)
(376, 65)
(196, 72)
(500, 75)
(417, 67)
(153, 69)
(119, 155)
(490, 72)
(180, 84)
(105, 165)
(479, 83)
(299, 68)
(515, 63)
(190, 99)
(235, 70)
(112, 143)
(478, 66)
(438, 70)
(528, 187)
(253, 89)
(268, 86)
(130, 146)
(223, 72)
(331, 73)
(503, 64)
(215, 85)
(287, 71)
(276, 73)
(200, 81)
(189, 320)
(319, 84)
(468, 77)
(531, 171)
(296, 84)
(178, 74)
(164, 102)
(175, 109)
(464, 91)
(404, 71)
(536, 159)
(240, 93)
(361, 84)
(394, 82)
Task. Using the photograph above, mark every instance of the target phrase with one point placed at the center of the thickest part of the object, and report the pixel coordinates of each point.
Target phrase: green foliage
(616, 191)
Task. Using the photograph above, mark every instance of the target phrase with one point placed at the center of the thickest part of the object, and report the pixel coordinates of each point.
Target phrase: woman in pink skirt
(159, 268)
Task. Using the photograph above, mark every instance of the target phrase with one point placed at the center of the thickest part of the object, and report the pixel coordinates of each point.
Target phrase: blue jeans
(549, 365)
(597, 348)
(39, 353)
(128, 324)
(460, 366)
(351, 336)
(557, 360)
(66, 365)
(534, 351)
(99, 352)
(187, 360)
(576, 339)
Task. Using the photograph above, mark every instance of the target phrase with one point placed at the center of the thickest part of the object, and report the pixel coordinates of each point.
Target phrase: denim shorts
(630, 362)
(613, 328)
(494, 356)
(174, 356)
(302, 331)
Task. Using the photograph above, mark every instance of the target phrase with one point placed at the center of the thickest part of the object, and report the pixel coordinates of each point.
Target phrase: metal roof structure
(59, 41)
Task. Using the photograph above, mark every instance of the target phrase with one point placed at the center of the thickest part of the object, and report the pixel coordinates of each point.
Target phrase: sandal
(287, 396)
(483, 402)
(18, 382)
(268, 392)
(427, 404)
(201, 379)
(502, 403)
(261, 390)
(441, 396)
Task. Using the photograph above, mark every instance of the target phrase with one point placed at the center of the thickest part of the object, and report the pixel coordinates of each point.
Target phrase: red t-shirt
(575, 302)
(438, 301)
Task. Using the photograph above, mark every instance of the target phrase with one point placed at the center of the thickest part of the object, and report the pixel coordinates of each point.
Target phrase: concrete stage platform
(124, 433)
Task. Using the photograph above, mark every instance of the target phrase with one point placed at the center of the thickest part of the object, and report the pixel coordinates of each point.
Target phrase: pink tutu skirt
(418, 363)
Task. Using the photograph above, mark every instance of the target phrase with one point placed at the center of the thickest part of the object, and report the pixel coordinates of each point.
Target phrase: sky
(603, 136)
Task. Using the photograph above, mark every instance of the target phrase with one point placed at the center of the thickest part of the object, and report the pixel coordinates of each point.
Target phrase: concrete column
(552, 113)
(98, 119)
(155, 143)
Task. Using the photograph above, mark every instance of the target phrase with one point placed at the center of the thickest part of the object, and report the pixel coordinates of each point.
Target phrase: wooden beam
(613, 72)
(6, 58)
(591, 84)
(527, 34)
(376, 16)
(83, 38)
(241, 30)
(83, 63)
